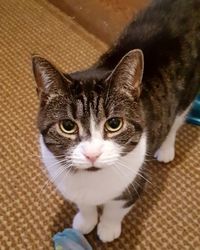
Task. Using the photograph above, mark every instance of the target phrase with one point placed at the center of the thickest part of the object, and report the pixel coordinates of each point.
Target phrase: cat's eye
(114, 124)
(68, 126)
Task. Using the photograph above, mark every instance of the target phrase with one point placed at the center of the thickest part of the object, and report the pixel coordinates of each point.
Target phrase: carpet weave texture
(166, 216)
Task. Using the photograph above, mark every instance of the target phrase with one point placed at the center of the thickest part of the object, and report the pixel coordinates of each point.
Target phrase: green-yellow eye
(114, 124)
(68, 126)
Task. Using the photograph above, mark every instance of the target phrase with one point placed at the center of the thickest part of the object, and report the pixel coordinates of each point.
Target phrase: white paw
(108, 232)
(165, 154)
(84, 225)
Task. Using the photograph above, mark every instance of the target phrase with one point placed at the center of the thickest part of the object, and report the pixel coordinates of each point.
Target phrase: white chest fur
(95, 188)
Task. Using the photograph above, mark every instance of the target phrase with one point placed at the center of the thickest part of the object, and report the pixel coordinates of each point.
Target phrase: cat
(98, 125)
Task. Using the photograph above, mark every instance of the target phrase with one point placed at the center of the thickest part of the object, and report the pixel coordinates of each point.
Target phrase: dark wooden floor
(104, 18)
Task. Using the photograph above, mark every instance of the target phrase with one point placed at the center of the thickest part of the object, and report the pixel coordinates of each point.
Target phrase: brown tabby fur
(168, 33)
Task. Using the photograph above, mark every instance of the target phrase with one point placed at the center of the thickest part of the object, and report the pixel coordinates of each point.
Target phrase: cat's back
(162, 31)
(168, 33)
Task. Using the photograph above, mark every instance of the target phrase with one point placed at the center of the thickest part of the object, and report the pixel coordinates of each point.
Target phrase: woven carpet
(167, 215)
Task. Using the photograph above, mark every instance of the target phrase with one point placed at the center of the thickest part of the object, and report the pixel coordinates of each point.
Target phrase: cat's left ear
(127, 75)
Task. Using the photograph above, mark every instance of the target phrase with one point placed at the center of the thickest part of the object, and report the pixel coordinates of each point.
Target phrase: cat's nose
(92, 156)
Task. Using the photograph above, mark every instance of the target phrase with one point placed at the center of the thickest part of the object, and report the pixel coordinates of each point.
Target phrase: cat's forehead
(94, 97)
(87, 87)
(89, 82)
(85, 100)
(86, 97)
(88, 100)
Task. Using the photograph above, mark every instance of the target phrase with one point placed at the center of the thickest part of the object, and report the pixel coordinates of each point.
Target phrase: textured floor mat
(167, 215)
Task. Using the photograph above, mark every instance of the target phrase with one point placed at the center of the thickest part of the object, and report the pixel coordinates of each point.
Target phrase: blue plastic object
(194, 115)
(70, 239)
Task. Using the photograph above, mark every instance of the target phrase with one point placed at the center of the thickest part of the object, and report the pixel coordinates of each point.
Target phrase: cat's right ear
(46, 75)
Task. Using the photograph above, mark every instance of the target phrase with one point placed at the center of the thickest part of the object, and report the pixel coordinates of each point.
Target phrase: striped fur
(148, 78)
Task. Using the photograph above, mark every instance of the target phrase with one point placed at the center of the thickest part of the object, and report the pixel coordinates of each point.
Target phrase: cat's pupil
(114, 123)
(68, 125)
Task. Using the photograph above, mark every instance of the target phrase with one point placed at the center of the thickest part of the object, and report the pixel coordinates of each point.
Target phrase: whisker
(58, 163)
(147, 154)
(69, 170)
(45, 170)
(29, 154)
(52, 180)
(137, 173)
(117, 169)
(122, 173)
(54, 165)
(59, 172)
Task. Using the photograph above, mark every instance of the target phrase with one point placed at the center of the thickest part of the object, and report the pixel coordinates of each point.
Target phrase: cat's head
(90, 119)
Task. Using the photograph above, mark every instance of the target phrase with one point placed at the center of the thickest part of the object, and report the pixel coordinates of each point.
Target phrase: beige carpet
(167, 216)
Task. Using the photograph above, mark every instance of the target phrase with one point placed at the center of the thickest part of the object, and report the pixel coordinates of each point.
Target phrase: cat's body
(168, 33)
(99, 124)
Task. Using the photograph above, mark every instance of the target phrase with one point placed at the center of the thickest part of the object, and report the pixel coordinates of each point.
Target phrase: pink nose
(92, 156)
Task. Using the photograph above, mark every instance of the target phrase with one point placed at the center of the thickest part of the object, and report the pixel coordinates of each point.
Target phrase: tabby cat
(98, 125)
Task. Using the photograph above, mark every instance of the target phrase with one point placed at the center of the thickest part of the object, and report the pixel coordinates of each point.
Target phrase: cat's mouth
(93, 169)
(89, 169)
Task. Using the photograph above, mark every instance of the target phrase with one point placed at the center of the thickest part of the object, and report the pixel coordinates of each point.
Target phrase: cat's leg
(166, 152)
(86, 219)
(109, 227)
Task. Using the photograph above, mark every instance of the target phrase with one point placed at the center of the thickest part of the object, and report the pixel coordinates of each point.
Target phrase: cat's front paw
(165, 154)
(108, 232)
(84, 225)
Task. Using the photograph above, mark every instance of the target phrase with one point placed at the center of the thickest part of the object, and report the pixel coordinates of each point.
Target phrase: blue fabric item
(70, 239)
(194, 115)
